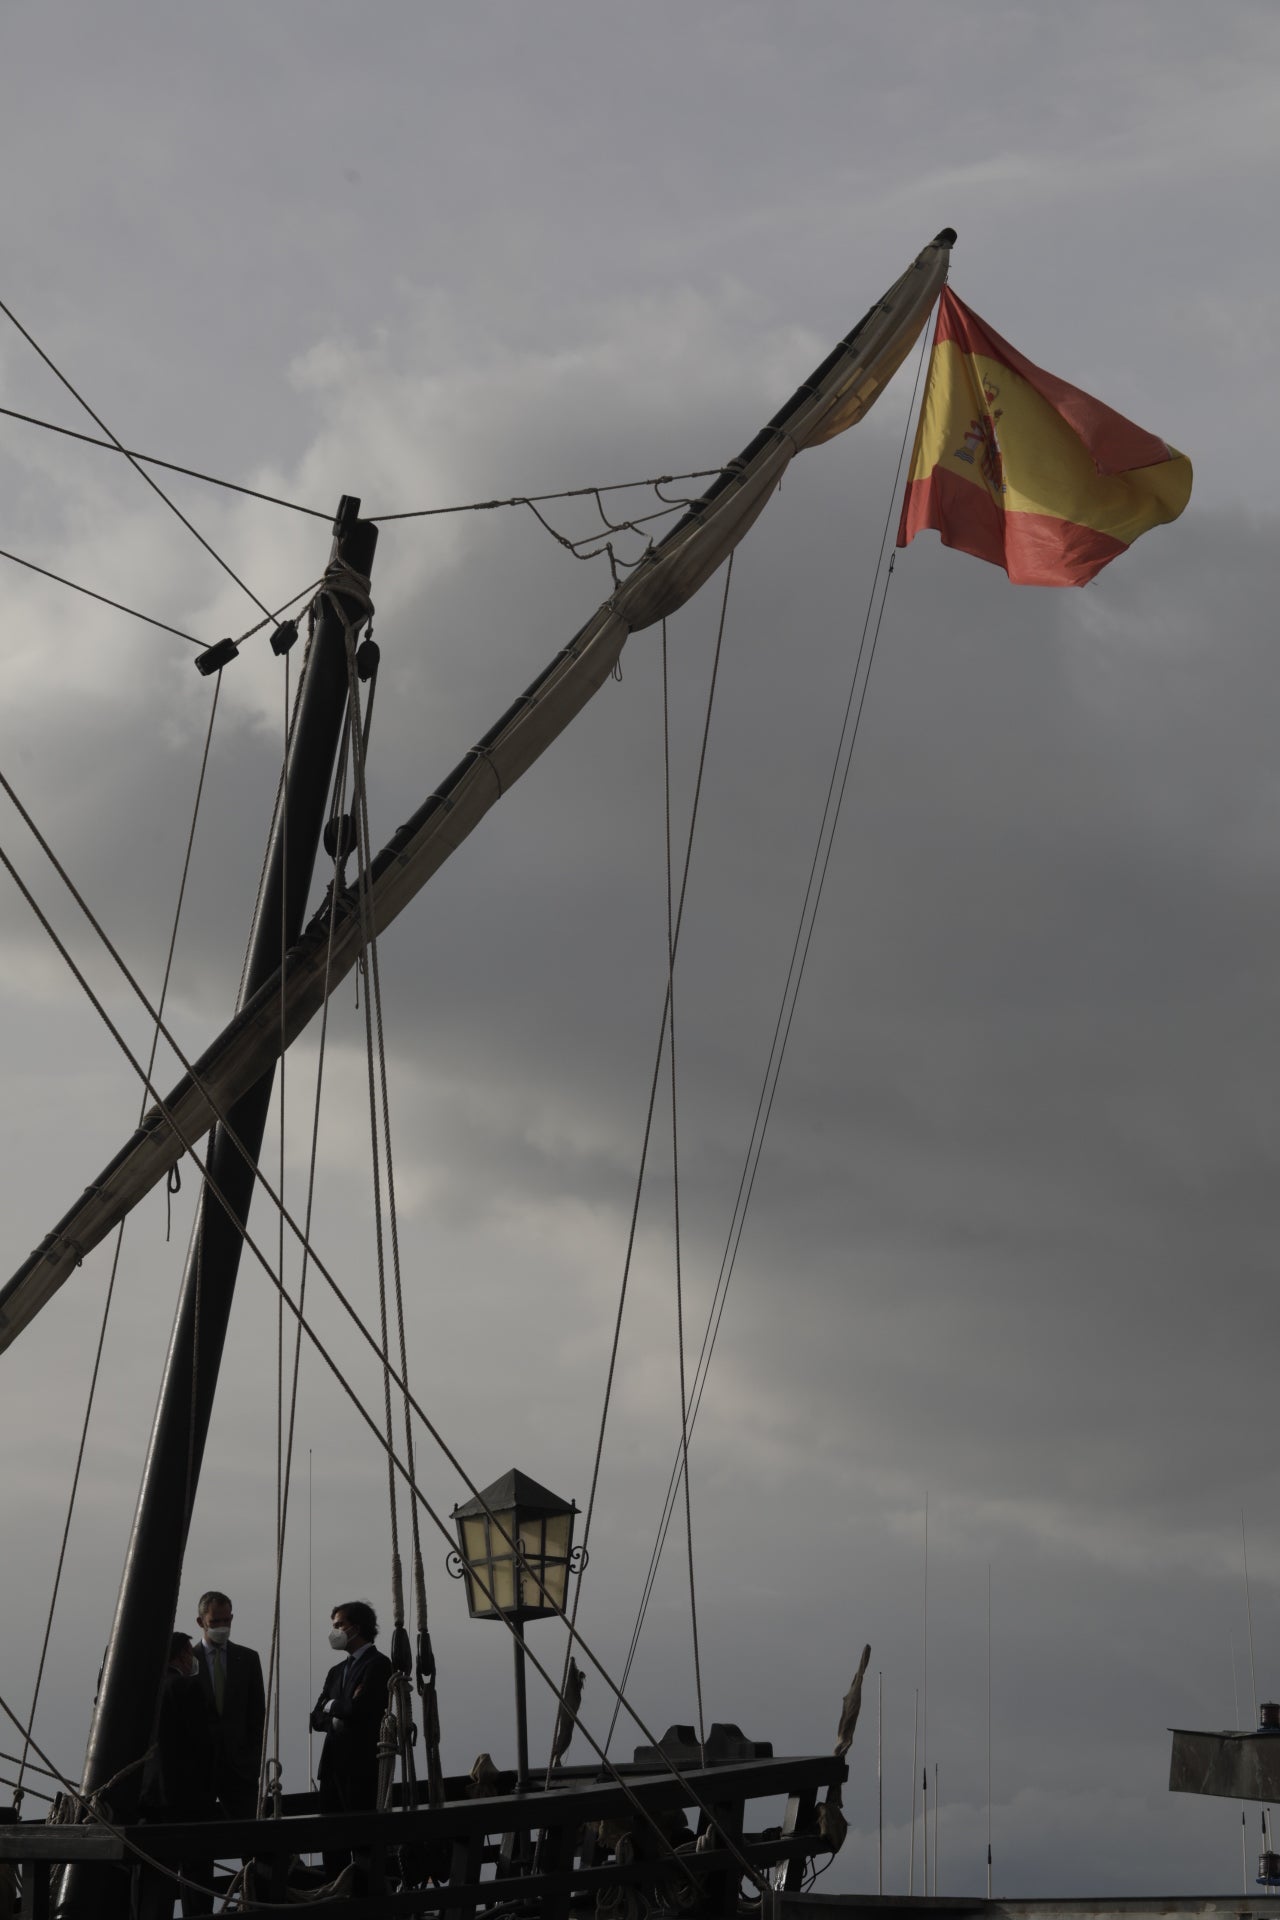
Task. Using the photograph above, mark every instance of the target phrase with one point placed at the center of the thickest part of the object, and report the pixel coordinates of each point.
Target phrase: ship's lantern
(515, 1552)
(515, 1549)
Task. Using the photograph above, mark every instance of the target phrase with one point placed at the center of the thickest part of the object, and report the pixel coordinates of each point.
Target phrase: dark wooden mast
(128, 1696)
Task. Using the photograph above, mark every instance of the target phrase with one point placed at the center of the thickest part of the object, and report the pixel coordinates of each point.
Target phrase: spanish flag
(1014, 466)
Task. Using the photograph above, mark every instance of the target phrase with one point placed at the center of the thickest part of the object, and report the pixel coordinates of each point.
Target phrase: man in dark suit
(230, 1678)
(349, 1715)
(177, 1783)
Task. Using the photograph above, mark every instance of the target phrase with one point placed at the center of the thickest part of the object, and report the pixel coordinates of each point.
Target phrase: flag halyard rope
(675, 1198)
(836, 788)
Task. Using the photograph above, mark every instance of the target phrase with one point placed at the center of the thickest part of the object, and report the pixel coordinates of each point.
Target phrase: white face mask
(217, 1636)
(338, 1639)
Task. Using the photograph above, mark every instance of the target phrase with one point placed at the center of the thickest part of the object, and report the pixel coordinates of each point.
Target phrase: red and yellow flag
(1015, 466)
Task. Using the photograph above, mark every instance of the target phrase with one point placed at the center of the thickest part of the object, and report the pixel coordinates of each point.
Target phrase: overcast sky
(1012, 1241)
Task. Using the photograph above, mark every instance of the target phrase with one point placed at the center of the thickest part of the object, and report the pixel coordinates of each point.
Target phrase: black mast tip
(947, 238)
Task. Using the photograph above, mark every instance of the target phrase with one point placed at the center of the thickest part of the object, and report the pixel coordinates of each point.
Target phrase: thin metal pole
(935, 1829)
(924, 1700)
(311, 1770)
(1244, 1845)
(522, 1719)
(1253, 1676)
(988, 1729)
(915, 1743)
(880, 1785)
(128, 1699)
(924, 1823)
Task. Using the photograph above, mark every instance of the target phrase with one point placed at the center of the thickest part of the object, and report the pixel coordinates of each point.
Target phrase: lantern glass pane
(479, 1601)
(559, 1531)
(474, 1545)
(531, 1536)
(502, 1529)
(503, 1583)
(556, 1579)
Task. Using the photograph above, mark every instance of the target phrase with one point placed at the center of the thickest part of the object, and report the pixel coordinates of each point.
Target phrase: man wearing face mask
(349, 1715)
(230, 1678)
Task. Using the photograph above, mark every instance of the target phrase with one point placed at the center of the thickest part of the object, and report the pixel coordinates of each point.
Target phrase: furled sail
(836, 396)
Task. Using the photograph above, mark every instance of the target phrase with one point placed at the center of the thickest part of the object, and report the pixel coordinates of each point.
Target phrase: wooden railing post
(797, 1819)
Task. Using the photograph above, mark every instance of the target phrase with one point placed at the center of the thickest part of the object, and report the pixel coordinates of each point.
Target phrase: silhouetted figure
(349, 1715)
(231, 1680)
(178, 1781)
(229, 1677)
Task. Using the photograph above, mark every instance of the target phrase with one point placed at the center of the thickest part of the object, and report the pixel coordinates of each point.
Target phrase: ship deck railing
(546, 1852)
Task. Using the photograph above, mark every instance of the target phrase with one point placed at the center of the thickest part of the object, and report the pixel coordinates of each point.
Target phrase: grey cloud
(1011, 1239)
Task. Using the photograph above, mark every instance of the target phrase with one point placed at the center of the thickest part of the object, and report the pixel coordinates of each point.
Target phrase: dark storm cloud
(1012, 1235)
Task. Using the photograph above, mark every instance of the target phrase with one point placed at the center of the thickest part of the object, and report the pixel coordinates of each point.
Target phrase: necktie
(219, 1678)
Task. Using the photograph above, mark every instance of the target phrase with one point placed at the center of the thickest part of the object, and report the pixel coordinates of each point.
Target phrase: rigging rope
(582, 549)
(648, 1129)
(115, 1261)
(30, 1766)
(93, 1809)
(76, 1807)
(565, 493)
(90, 594)
(363, 862)
(380, 519)
(824, 843)
(272, 1771)
(437, 1520)
(137, 467)
(375, 1041)
(287, 1475)
(170, 466)
(675, 1187)
(134, 614)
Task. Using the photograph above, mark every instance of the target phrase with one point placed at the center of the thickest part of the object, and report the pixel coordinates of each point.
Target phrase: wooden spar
(838, 394)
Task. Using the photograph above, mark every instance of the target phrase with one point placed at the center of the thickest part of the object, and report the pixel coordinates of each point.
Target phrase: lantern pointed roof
(514, 1489)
